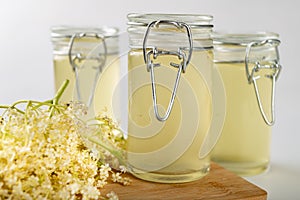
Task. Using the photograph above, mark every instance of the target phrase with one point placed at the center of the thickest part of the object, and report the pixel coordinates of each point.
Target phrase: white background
(26, 70)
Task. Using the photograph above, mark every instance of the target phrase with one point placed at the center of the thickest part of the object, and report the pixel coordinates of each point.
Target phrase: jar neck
(232, 48)
(169, 36)
(61, 37)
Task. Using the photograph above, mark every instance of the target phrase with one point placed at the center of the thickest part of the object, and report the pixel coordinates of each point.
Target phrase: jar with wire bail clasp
(169, 92)
(82, 55)
(249, 66)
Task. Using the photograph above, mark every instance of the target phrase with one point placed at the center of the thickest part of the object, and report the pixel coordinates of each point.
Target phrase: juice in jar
(244, 145)
(105, 84)
(87, 56)
(168, 151)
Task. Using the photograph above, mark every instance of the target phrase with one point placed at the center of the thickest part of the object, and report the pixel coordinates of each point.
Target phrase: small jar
(87, 57)
(169, 90)
(249, 66)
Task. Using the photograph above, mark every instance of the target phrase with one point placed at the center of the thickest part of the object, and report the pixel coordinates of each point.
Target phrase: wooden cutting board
(219, 184)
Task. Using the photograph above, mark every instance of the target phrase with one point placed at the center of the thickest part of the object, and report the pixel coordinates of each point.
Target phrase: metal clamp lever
(155, 53)
(100, 58)
(276, 67)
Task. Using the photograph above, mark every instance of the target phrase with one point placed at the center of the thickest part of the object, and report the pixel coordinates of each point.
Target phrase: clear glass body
(168, 151)
(96, 87)
(244, 145)
(106, 84)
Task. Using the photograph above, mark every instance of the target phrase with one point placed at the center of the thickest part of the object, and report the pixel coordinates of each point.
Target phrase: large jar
(170, 100)
(249, 66)
(87, 56)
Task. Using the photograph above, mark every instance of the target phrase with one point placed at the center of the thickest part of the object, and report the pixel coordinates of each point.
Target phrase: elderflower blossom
(113, 143)
(44, 157)
(112, 196)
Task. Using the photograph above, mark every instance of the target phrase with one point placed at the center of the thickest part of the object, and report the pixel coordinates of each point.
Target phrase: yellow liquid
(244, 145)
(169, 151)
(105, 84)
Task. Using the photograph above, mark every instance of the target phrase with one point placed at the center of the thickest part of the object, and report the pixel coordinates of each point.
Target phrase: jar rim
(65, 31)
(242, 39)
(143, 19)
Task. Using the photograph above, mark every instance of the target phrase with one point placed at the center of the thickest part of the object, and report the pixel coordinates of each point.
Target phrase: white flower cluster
(44, 157)
(106, 141)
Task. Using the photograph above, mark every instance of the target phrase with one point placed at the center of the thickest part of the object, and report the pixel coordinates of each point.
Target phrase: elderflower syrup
(170, 101)
(88, 58)
(249, 66)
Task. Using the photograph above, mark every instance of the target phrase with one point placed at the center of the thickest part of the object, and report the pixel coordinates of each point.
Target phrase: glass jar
(170, 101)
(249, 66)
(87, 57)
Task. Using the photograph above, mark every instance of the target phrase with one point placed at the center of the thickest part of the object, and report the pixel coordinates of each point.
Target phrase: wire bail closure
(276, 67)
(155, 52)
(100, 58)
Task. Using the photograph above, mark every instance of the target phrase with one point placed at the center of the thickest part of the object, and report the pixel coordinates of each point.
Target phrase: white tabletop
(26, 70)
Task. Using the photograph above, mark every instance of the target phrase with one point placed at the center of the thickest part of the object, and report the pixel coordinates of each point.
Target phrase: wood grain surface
(218, 184)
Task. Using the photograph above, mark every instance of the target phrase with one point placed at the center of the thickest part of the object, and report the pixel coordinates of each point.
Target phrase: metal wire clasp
(78, 57)
(275, 67)
(155, 52)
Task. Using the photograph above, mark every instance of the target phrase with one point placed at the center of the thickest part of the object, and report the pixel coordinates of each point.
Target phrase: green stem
(12, 107)
(23, 101)
(60, 91)
(53, 103)
(45, 103)
(29, 104)
(58, 95)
